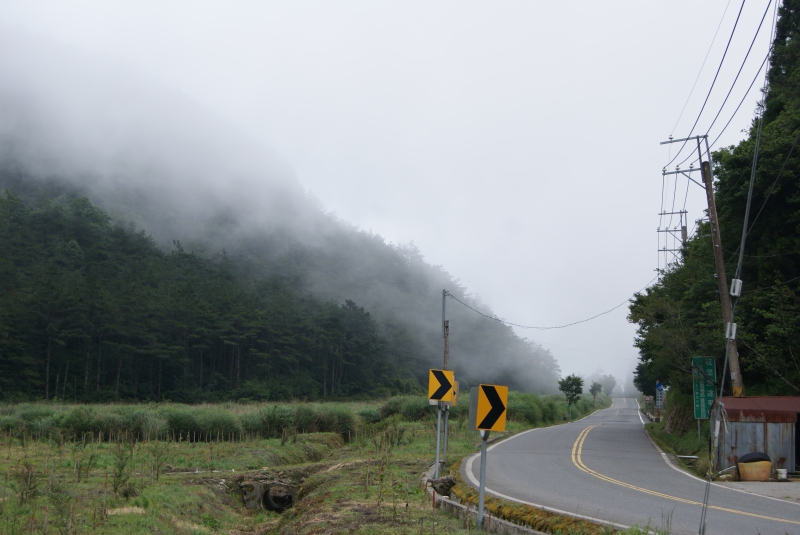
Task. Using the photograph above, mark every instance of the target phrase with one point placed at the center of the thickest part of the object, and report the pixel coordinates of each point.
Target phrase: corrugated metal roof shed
(775, 409)
(764, 423)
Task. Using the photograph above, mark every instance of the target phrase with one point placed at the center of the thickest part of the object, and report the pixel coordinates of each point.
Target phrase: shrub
(33, 413)
(154, 427)
(275, 419)
(415, 408)
(181, 420)
(549, 410)
(79, 420)
(524, 408)
(584, 406)
(305, 419)
(369, 415)
(391, 407)
(107, 421)
(459, 411)
(336, 419)
(132, 420)
(10, 423)
(218, 421)
(251, 422)
(44, 426)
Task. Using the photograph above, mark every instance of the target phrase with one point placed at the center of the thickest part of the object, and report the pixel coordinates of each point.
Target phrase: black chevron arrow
(497, 407)
(444, 387)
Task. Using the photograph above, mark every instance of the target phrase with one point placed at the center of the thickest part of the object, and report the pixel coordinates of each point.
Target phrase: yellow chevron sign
(440, 385)
(492, 403)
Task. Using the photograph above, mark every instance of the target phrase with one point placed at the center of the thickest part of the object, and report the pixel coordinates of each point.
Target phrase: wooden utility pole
(724, 296)
(446, 342)
(445, 408)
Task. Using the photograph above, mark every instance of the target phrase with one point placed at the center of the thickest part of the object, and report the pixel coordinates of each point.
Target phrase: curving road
(605, 467)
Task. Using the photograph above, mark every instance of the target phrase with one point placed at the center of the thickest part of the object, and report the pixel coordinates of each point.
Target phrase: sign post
(659, 399)
(440, 389)
(487, 412)
(704, 387)
(446, 409)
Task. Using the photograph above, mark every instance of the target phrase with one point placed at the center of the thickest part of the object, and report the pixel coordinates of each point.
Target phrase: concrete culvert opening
(278, 497)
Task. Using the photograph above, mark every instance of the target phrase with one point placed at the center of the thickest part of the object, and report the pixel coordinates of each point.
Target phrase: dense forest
(96, 310)
(680, 316)
(151, 251)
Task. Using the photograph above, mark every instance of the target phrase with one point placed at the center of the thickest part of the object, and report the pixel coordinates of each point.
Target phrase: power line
(703, 65)
(712, 85)
(775, 182)
(796, 139)
(765, 255)
(546, 328)
(744, 97)
(754, 290)
(733, 84)
(758, 30)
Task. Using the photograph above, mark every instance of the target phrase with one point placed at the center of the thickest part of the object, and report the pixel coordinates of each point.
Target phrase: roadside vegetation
(170, 468)
(677, 433)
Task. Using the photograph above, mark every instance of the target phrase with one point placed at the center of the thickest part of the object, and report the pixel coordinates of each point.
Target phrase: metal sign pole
(484, 438)
(438, 434)
(446, 426)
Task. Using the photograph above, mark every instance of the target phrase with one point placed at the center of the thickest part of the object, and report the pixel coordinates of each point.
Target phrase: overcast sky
(515, 143)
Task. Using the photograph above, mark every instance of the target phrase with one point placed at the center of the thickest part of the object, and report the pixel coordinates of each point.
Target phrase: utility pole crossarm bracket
(682, 139)
(684, 173)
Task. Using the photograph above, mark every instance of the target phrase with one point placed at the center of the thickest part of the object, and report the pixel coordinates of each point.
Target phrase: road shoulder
(784, 491)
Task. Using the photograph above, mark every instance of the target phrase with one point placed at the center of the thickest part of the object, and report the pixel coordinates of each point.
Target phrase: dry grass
(126, 511)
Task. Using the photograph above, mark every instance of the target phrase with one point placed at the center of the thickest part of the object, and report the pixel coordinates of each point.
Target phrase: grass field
(356, 467)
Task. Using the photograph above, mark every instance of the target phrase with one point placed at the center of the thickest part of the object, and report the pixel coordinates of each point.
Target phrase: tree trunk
(231, 366)
(47, 368)
(238, 363)
(86, 371)
(64, 388)
(324, 374)
(160, 362)
(333, 374)
(119, 369)
(99, 359)
(136, 378)
(341, 375)
(201, 369)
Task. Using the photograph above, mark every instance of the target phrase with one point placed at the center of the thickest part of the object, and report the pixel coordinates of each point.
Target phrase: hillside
(145, 234)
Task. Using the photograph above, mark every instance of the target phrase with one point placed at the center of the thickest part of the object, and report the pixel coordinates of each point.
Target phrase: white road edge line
(684, 472)
(477, 483)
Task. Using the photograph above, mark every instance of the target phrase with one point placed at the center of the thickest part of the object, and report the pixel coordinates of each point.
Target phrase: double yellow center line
(577, 449)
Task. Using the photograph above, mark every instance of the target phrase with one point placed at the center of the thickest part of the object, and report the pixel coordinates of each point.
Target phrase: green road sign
(704, 377)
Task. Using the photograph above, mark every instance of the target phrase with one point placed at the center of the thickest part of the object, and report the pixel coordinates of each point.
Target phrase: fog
(162, 163)
(515, 145)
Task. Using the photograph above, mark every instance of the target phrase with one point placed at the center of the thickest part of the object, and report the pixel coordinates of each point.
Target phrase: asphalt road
(605, 467)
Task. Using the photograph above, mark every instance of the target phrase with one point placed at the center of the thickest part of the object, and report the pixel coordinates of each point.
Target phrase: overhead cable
(713, 40)
(758, 30)
(744, 97)
(775, 182)
(546, 328)
(712, 85)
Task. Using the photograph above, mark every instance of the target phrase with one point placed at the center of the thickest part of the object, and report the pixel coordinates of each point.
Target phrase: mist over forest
(151, 251)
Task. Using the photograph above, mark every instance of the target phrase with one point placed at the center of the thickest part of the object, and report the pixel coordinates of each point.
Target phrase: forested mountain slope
(680, 317)
(152, 250)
